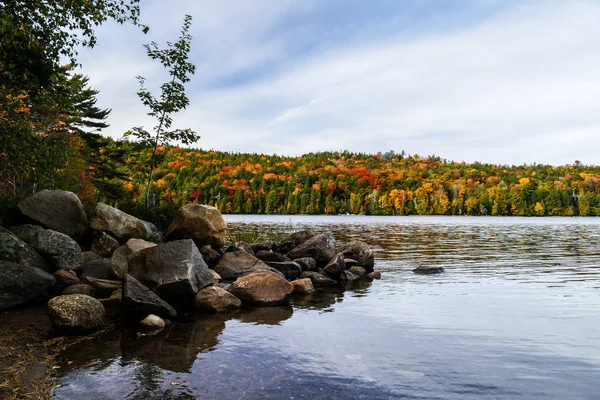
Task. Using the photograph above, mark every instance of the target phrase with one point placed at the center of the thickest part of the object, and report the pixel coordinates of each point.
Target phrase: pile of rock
(129, 271)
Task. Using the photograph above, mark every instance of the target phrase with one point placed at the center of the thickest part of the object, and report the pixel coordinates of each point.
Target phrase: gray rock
(119, 224)
(21, 283)
(152, 322)
(348, 276)
(89, 256)
(428, 270)
(80, 288)
(57, 248)
(103, 287)
(336, 266)
(76, 312)
(289, 269)
(320, 247)
(266, 246)
(120, 258)
(374, 275)
(244, 246)
(173, 269)
(96, 268)
(301, 236)
(216, 299)
(361, 252)
(238, 263)
(201, 223)
(139, 301)
(270, 256)
(13, 249)
(307, 263)
(58, 210)
(210, 255)
(104, 244)
(318, 279)
(223, 285)
(261, 288)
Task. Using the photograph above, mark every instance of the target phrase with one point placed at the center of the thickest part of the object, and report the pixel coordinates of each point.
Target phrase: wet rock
(104, 244)
(57, 248)
(152, 322)
(307, 263)
(336, 266)
(121, 225)
(119, 262)
(65, 278)
(361, 252)
(428, 270)
(263, 246)
(58, 210)
(320, 247)
(96, 268)
(348, 276)
(13, 249)
(265, 256)
(318, 279)
(175, 270)
(139, 301)
(244, 246)
(303, 286)
(103, 287)
(289, 269)
(374, 275)
(80, 288)
(356, 270)
(351, 263)
(201, 223)
(76, 312)
(238, 263)
(210, 255)
(216, 299)
(261, 288)
(21, 283)
(216, 277)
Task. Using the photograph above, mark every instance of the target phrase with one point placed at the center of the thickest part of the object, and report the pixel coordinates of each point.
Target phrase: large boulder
(58, 210)
(139, 301)
(60, 250)
(261, 288)
(120, 258)
(320, 247)
(289, 269)
(76, 312)
(173, 269)
(216, 299)
(13, 249)
(22, 283)
(361, 252)
(104, 244)
(121, 225)
(238, 263)
(201, 223)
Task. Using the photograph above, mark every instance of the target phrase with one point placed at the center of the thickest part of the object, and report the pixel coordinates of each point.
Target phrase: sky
(498, 81)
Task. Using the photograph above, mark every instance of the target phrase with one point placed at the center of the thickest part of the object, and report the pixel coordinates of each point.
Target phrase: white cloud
(520, 86)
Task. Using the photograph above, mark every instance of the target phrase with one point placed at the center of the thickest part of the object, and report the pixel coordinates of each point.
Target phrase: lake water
(516, 315)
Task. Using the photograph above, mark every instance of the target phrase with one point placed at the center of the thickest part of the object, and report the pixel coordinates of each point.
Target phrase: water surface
(516, 315)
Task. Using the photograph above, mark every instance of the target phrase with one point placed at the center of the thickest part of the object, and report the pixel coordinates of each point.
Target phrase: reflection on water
(516, 315)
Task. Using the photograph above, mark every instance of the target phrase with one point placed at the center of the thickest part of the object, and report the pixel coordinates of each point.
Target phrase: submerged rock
(57, 248)
(428, 270)
(216, 299)
(58, 210)
(76, 312)
(21, 283)
(374, 275)
(320, 247)
(15, 250)
(201, 223)
(138, 301)
(261, 288)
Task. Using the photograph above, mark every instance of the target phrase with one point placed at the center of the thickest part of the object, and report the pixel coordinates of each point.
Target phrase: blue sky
(497, 81)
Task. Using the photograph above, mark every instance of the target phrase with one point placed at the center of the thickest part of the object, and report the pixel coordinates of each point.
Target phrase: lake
(515, 315)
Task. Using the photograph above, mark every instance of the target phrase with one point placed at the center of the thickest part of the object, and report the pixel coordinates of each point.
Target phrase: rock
(265, 256)
(356, 270)
(238, 263)
(289, 269)
(261, 288)
(351, 263)
(80, 288)
(320, 247)
(112, 306)
(76, 312)
(103, 287)
(318, 279)
(174, 270)
(266, 246)
(22, 283)
(57, 248)
(119, 262)
(244, 246)
(361, 252)
(301, 236)
(284, 247)
(58, 210)
(216, 299)
(222, 285)
(348, 276)
(14, 250)
(104, 244)
(374, 275)
(65, 278)
(336, 266)
(89, 256)
(210, 255)
(152, 322)
(303, 286)
(307, 263)
(204, 224)
(139, 301)
(119, 224)
(216, 277)
(96, 269)
(428, 270)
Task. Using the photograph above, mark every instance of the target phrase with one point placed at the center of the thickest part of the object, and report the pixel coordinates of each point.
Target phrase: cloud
(519, 84)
